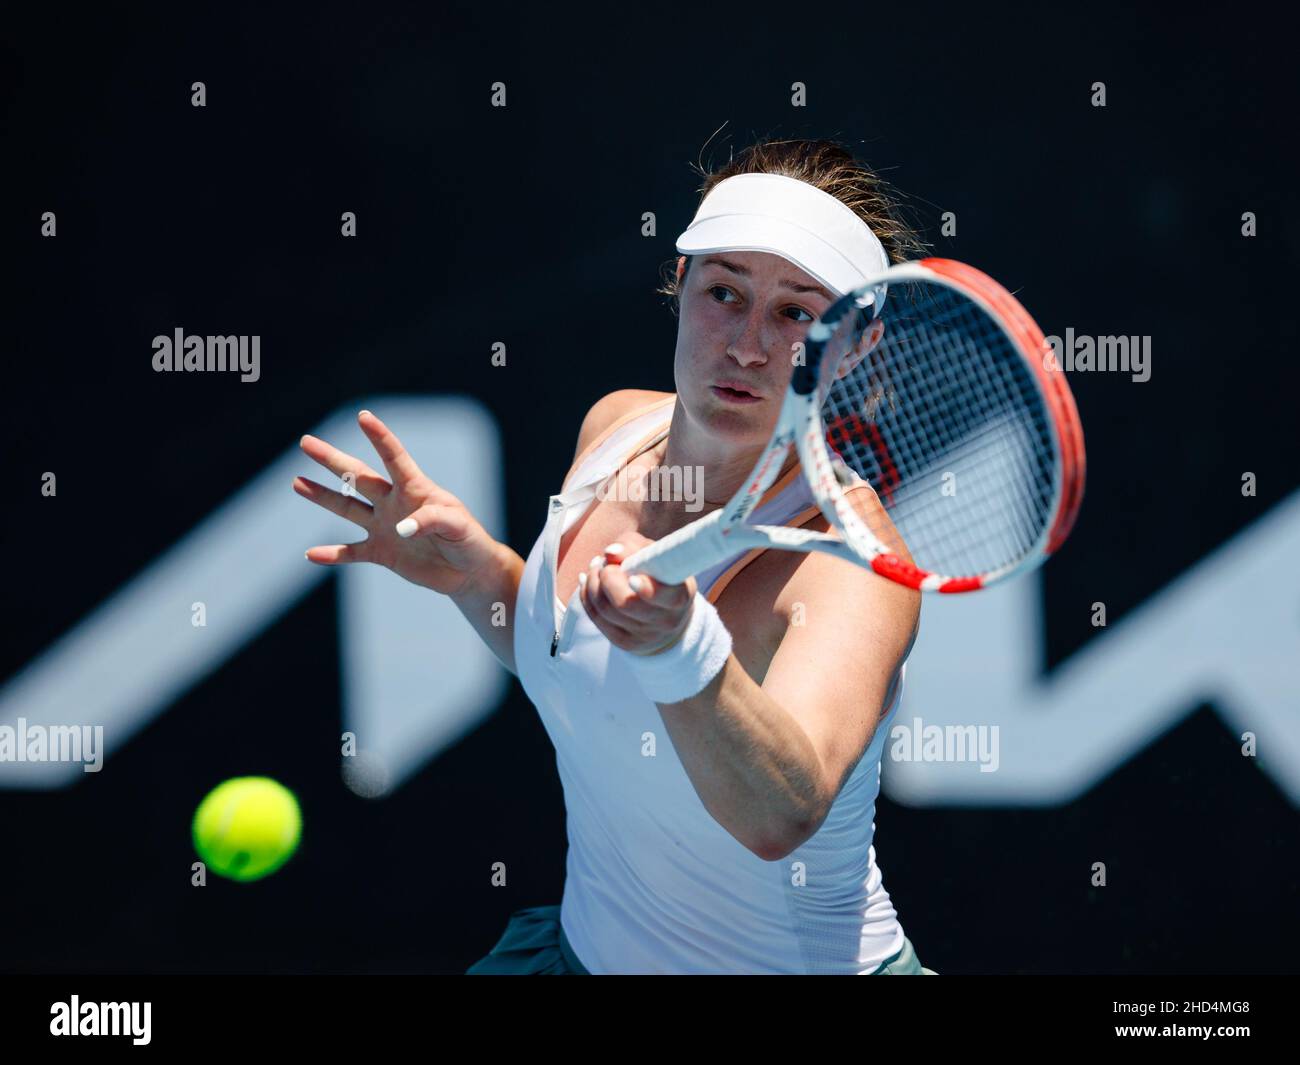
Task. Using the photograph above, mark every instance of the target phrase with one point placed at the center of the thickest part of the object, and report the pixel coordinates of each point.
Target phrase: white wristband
(687, 667)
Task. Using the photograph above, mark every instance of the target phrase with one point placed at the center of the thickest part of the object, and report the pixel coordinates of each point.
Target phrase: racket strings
(979, 457)
(994, 447)
(924, 505)
(944, 419)
(971, 451)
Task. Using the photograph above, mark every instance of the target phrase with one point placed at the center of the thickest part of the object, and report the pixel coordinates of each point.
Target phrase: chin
(751, 424)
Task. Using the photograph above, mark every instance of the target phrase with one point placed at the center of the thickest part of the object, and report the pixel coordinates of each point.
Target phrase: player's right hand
(440, 544)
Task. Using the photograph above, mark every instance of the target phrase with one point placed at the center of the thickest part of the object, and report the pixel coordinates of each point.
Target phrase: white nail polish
(582, 580)
(406, 526)
(614, 549)
(634, 582)
(597, 560)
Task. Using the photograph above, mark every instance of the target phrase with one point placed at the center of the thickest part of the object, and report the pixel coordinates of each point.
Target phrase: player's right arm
(417, 529)
(440, 545)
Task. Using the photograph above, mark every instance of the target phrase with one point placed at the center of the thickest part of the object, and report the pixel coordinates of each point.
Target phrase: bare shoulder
(607, 410)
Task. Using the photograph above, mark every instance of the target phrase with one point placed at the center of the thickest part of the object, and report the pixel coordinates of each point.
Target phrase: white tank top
(653, 883)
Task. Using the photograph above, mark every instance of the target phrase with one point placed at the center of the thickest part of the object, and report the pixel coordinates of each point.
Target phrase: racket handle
(683, 553)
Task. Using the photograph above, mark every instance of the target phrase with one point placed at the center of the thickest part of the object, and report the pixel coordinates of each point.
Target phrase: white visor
(792, 219)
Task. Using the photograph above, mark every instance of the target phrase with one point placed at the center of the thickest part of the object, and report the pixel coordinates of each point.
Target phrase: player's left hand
(645, 619)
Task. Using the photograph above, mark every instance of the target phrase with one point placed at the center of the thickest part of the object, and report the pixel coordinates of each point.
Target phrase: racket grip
(683, 553)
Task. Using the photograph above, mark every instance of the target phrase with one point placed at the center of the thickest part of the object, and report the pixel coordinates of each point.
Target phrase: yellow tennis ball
(247, 827)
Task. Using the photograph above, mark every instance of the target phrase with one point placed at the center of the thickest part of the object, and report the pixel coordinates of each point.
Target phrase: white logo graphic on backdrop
(415, 676)
(1226, 632)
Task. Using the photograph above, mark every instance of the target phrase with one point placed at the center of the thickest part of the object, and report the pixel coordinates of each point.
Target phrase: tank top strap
(620, 442)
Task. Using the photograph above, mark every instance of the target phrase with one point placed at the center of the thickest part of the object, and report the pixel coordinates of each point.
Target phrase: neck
(722, 468)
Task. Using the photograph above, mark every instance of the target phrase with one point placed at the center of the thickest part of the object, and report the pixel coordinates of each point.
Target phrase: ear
(868, 342)
(681, 267)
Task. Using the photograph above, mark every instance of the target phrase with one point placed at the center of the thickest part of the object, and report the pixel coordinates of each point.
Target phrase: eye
(720, 288)
(799, 310)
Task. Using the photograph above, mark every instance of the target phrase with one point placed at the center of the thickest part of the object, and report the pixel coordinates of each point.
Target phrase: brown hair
(831, 167)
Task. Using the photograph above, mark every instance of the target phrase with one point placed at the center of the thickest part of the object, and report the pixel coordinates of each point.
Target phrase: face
(742, 315)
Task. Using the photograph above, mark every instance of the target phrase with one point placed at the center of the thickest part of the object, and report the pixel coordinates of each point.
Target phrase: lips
(735, 391)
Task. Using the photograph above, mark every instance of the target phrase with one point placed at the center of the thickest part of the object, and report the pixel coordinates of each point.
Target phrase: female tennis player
(719, 741)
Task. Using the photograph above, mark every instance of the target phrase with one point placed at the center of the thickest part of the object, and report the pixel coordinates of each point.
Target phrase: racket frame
(693, 548)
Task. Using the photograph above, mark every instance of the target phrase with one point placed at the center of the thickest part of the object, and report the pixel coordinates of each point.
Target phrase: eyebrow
(743, 271)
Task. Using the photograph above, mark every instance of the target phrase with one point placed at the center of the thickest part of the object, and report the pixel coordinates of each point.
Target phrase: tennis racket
(958, 418)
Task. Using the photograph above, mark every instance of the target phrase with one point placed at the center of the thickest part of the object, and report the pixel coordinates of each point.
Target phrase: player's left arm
(836, 673)
(768, 760)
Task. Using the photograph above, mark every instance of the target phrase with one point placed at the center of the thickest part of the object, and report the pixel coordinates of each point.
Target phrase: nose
(748, 347)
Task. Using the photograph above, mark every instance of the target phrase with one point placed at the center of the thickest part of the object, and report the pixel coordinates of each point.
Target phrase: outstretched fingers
(347, 468)
(345, 506)
(399, 464)
(337, 554)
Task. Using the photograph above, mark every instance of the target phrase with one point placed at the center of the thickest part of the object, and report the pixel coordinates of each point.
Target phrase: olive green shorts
(904, 963)
(534, 944)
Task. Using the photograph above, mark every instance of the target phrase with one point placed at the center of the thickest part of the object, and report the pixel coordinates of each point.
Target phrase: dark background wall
(523, 224)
